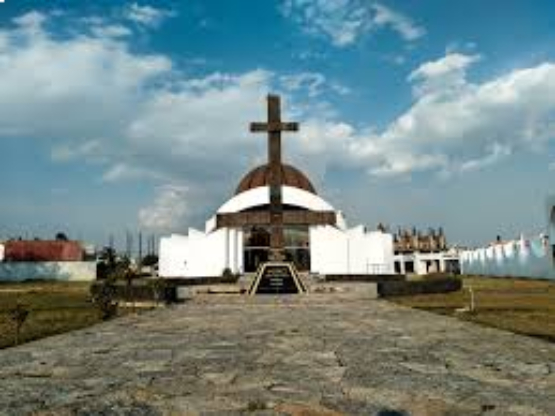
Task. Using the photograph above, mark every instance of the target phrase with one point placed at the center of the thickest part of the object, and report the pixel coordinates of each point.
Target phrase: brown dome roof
(260, 176)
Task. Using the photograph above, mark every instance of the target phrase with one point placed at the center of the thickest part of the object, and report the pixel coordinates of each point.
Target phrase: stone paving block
(329, 354)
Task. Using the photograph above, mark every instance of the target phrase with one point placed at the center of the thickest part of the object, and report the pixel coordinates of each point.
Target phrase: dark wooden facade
(264, 217)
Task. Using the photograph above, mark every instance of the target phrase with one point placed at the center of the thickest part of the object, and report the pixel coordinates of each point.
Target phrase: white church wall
(200, 255)
(207, 254)
(304, 199)
(237, 265)
(173, 256)
(334, 250)
(380, 253)
(210, 225)
(244, 200)
(355, 251)
(234, 259)
(370, 252)
(328, 250)
(261, 196)
(230, 248)
(341, 223)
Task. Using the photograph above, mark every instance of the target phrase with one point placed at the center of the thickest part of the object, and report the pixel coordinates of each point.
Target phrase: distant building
(418, 252)
(42, 250)
(406, 241)
(44, 259)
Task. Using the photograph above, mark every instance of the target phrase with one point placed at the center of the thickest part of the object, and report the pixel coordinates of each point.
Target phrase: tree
(104, 298)
(158, 287)
(106, 262)
(129, 275)
(60, 236)
(150, 260)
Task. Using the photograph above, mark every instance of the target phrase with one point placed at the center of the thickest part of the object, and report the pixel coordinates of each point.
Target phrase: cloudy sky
(123, 115)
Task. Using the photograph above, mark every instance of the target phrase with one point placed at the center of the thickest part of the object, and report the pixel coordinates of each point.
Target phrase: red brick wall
(43, 251)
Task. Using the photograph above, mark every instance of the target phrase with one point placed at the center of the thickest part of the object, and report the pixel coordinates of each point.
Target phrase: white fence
(519, 258)
(52, 270)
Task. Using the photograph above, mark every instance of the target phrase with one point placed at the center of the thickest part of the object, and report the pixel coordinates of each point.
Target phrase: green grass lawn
(518, 305)
(55, 307)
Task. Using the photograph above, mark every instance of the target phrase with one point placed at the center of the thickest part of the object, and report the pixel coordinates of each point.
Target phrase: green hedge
(417, 287)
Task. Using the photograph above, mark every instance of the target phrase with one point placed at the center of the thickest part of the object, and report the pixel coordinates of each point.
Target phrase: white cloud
(323, 137)
(496, 153)
(201, 120)
(147, 15)
(398, 22)
(396, 59)
(139, 117)
(452, 62)
(454, 126)
(111, 31)
(442, 75)
(313, 84)
(31, 22)
(122, 171)
(168, 211)
(312, 81)
(458, 126)
(66, 88)
(131, 113)
(89, 149)
(343, 22)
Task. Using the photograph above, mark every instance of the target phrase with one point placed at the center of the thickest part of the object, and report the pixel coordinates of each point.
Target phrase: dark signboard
(276, 279)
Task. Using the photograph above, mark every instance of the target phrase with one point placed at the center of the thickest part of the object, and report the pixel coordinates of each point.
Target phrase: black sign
(276, 279)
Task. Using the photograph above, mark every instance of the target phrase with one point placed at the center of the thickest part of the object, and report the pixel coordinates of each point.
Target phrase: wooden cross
(275, 218)
(274, 126)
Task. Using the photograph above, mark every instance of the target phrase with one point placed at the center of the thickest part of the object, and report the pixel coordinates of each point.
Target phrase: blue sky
(134, 115)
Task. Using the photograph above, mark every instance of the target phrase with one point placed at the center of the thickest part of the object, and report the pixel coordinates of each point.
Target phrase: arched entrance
(256, 243)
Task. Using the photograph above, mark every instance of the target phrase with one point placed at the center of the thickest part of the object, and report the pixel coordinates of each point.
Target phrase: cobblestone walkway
(305, 355)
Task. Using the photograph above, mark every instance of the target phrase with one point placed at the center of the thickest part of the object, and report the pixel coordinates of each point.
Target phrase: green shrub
(227, 274)
(158, 287)
(104, 298)
(18, 315)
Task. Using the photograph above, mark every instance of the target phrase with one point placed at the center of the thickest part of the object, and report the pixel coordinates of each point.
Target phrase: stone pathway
(326, 354)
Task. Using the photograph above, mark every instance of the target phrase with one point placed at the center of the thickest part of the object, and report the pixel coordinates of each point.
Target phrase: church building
(241, 234)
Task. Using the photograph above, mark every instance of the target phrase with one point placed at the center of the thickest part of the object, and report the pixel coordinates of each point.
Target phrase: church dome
(260, 176)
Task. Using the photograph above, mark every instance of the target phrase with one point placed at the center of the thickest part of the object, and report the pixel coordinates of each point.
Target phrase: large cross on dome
(274, 126)
(276, 216)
